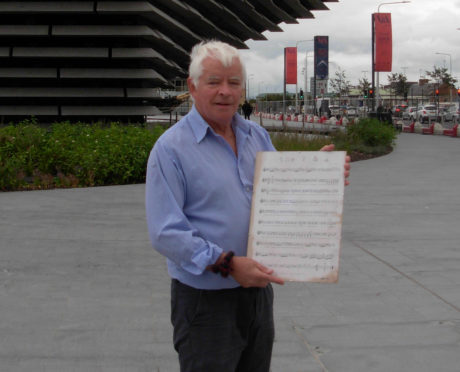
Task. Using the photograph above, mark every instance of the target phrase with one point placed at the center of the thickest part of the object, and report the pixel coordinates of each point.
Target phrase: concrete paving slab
(82, 290)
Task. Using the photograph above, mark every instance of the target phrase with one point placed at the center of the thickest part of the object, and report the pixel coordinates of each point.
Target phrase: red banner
(383, 41)
(290, 65)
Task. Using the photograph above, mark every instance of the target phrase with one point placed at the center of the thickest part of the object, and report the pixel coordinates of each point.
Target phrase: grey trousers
(228, 330)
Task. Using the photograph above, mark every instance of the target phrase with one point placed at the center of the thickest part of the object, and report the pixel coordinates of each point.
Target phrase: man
(380, 111)
(198, 202)
(247, 110)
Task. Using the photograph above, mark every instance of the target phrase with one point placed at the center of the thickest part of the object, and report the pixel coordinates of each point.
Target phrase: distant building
(321, 86)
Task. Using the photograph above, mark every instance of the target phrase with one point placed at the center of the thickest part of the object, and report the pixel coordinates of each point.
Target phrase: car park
(427, 113)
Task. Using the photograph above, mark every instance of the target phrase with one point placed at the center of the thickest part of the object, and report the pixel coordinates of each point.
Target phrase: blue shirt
(198, 196)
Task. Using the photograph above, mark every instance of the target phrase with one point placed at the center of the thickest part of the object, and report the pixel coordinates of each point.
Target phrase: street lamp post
(377, 88)
(258, 93)
(306, 81)
(258, 86)
(296, 44)
(450, 59)
(249, 78)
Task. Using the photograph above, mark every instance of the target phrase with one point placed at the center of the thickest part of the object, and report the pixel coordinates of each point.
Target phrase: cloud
(420, 29)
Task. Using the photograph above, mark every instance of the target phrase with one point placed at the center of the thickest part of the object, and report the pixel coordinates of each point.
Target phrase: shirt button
(248, 188)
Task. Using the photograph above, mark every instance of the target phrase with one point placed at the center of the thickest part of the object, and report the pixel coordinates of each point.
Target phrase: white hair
(223, 52)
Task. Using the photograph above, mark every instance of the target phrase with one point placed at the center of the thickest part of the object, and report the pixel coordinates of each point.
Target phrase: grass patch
(298, 141)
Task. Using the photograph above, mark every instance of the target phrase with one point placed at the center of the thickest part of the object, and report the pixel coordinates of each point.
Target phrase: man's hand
(330, 147)
(347, 166)
(249, 273)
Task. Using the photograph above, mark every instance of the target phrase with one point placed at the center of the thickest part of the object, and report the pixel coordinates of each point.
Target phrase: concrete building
(89, 60)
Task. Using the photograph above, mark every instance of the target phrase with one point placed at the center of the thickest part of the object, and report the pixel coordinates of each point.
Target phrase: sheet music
(296, 216)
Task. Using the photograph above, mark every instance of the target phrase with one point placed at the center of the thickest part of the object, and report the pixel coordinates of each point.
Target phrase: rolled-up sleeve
(170, 231)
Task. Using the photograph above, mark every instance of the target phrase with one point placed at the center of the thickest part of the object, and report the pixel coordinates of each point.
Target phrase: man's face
(218, 92)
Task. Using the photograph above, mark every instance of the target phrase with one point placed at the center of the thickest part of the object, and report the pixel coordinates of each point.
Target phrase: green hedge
(371, 132)
(369, 136)
(70, 155)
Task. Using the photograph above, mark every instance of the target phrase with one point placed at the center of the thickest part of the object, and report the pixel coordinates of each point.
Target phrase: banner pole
(373, 60)
(284, 88)
(315, 62)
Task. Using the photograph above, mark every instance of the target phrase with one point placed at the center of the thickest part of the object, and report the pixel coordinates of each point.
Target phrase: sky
(420, 28)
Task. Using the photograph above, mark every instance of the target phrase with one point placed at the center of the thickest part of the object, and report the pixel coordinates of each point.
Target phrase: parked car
(351, 111)
(398, 110)
(410, 113)
(335, 111)
(427, 113)
(363, 109)
(450, 112)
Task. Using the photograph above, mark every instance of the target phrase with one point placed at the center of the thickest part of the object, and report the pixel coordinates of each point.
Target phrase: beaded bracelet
(224, 267)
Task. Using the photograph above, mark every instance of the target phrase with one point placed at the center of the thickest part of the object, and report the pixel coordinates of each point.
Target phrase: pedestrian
(247, 110)
(198, 203)
(380, 112)
(389, 115)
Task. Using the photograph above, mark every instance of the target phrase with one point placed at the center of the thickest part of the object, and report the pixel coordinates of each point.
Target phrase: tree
(441, 76)
(364, 84)
(275, 96)
(340, 85)
(398, 83)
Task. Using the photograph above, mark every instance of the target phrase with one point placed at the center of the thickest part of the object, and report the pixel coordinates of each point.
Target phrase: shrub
(69, 155)
(368, 136)
(371, 132)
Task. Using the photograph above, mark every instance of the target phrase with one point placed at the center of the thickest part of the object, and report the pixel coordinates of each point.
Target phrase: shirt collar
(200, 127)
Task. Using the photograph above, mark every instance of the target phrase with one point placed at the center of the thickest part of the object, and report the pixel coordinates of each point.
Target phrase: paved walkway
(82, 291)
